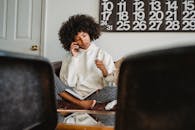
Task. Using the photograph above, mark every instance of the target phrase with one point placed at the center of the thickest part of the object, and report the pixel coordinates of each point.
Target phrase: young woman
(85, 67)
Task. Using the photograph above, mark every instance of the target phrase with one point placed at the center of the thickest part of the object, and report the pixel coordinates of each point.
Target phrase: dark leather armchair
(27, 93)
(157, 90)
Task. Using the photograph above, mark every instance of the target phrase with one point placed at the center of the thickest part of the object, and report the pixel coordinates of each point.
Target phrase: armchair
(157, 90)
(27, 93)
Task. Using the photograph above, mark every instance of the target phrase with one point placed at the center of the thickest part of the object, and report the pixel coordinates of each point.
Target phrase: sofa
(57, 65)
(67, 105)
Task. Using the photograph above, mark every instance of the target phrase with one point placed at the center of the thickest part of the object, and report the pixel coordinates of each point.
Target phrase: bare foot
(87, 104)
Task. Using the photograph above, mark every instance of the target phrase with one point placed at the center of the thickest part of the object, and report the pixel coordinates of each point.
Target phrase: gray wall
(117, 44)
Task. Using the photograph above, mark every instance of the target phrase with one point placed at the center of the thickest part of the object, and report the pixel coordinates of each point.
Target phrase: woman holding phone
(86, 66)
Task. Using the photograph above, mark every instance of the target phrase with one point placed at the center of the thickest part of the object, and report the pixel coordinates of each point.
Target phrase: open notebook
(73, 93)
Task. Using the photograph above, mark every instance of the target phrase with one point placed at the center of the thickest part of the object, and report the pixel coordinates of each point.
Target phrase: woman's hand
(74, 48)
(102, 67)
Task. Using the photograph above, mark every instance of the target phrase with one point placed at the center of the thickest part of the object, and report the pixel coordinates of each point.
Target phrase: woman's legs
(87, 104)
(59, 87)
(60, 93)
(106, 94)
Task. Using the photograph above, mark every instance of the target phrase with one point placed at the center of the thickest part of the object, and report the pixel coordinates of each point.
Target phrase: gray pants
(106, 94)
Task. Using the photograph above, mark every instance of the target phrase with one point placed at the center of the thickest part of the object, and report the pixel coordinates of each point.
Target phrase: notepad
(75, 94)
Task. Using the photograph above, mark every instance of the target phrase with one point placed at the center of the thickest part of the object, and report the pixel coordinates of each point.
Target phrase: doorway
(21, 26)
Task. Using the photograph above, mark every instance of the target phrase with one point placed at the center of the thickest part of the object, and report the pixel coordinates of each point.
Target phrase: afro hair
(78, 23)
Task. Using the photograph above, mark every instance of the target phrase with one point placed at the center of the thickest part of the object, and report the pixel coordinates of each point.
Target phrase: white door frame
(43, 27)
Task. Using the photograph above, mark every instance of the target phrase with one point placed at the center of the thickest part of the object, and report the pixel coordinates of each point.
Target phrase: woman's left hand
(101, 66)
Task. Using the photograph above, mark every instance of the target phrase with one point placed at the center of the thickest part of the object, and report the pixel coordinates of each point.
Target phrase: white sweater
(81, 72)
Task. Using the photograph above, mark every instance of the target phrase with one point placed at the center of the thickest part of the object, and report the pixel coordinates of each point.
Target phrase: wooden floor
(62, 126)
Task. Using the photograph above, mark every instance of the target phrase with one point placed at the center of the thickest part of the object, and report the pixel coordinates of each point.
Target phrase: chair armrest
(57, 66)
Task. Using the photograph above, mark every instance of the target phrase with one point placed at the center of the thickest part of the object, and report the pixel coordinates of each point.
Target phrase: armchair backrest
(157, 90)
(57, 66)
(27, 98)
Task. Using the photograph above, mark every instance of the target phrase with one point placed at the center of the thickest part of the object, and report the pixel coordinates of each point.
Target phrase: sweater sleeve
(68, 73)
(109, 64)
